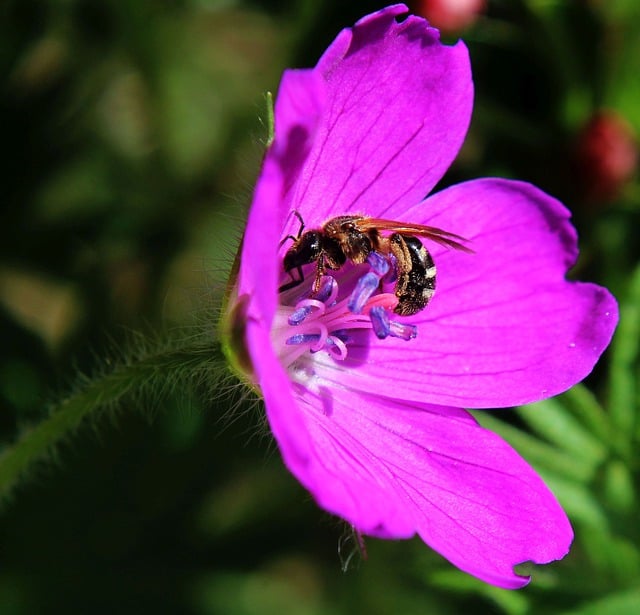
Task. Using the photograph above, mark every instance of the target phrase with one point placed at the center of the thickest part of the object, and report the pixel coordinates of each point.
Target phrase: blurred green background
(131, 135)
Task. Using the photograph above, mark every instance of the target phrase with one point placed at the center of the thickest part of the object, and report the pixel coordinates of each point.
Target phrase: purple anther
(365, 287)
(378, 262)
(404, 332)
(326, 288)
(299, 315)
(380, 321)
(302, 338)
(392, 275)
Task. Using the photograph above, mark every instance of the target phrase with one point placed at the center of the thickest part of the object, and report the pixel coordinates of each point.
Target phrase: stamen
(321, 343)
(326, 321)
(302, 338)
(392, 275)
(380, 322)
(337, 347)
(369, 282)
(299, 315)
(403, 331)
(379, 263)
(365, 287)
(328, 290)
(383, 327)
(325, 296)
(342, 335)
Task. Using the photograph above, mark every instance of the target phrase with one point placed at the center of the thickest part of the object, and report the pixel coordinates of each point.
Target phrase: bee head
(305, 250)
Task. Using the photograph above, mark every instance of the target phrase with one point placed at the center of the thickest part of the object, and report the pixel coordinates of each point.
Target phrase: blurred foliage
(132, 132)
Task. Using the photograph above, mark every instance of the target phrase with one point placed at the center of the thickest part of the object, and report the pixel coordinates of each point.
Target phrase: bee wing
(451, 240)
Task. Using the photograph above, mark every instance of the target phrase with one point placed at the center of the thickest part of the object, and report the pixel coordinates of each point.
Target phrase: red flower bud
(450, 15)
(606, 156)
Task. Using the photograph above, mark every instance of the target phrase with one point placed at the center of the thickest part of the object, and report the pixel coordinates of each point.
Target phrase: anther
(379, 263)
(299, 315)
(365, 287)
(326, 294)
(392, 275)
(383, 327)
(327, 286)
(302, 338)
(404, 332)
(380, 322)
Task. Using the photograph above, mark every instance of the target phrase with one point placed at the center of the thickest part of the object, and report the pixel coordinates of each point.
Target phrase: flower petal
(504, 327)
(398, 108)
(393, 469)
(297, 111)
(285, 418)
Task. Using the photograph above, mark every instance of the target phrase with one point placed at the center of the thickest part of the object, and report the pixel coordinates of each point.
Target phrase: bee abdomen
(416, 274)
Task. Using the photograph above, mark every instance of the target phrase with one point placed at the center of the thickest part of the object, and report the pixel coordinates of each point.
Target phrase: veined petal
(285, 417)
(398, 108)
(372, 427)
(393, 469)
(504, 327)
(297, 112)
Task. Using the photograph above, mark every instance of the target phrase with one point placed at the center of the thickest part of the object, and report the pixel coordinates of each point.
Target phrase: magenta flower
(375, 428)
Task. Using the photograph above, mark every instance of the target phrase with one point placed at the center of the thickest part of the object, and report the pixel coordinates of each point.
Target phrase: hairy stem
(153, 370)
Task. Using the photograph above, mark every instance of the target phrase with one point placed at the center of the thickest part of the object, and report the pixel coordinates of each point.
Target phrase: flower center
(327, 321)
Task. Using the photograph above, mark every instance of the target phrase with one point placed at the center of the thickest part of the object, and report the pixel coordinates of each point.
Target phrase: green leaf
(617, 559)
(620, 603)
(507, 601)
(622, 402)
(549, 418)
(619, 487)
(582, 403)
(620, 10)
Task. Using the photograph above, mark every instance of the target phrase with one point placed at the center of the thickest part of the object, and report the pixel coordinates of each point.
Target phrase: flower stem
(152, 371)
(271, 121)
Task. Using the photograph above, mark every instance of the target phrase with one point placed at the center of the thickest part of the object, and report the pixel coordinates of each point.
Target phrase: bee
(353, 238)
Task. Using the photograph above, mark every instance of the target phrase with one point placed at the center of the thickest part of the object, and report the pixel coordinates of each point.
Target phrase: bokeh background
(131, 134)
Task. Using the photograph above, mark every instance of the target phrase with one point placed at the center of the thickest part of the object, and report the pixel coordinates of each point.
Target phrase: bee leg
(293, 282)
(416, 274)
(399, 249)
(296, 213)
(295, 238)
(317, 282)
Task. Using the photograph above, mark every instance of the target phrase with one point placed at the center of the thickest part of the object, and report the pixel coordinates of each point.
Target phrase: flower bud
(606, 156)
(451, 15)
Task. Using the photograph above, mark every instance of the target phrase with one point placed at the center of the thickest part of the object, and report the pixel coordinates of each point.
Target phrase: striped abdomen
(416, 274)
